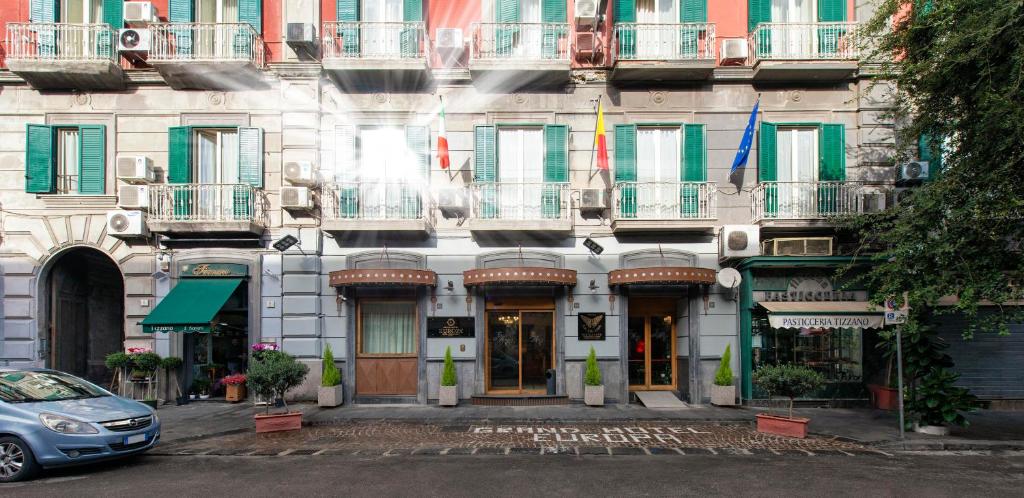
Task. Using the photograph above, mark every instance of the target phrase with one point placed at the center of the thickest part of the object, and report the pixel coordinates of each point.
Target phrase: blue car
(53, 419)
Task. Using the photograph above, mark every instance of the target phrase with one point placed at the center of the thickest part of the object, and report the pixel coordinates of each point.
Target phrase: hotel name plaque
(449, 327)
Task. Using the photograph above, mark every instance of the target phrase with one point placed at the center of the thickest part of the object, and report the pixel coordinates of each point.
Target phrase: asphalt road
(492, 476)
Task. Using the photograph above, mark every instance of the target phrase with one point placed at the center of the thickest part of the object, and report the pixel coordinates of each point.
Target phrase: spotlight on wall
(450, 286)
(593, 246)
(593, 286)
(284, 243)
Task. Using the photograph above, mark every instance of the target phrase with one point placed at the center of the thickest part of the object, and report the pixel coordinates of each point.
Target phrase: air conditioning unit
(123, 223)
(296, 198)
(593, 200)
(133, 196)
(801, 246)
(739, 241)
(450, 45)
(301, 36)
(134, 40)
(586, 46)
(140, 14)
(586, 12)
(913, 170)
(453, 202)
(300, 173)
(735, 50)
(873, 200)
(135, 169)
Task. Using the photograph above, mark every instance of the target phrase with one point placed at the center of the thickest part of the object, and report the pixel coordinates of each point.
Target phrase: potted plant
(449, 391)
(593, 389)
(723, 392)
(171, 364)
(330, 393)
(271, 376)
(790, 381)
(145, 363)
(938, 404)
(200, 388)
(118, 362)
(885, 397)
(234, 387)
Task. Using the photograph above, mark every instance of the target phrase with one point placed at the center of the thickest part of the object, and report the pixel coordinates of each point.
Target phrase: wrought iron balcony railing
(520, 41)
(196, 202)
(805, 41)
(665, 201)
(665, 42)
(61, 42)
(374, 201)
(804, 200)
(521, 201)
(375, 40)
(206, 42)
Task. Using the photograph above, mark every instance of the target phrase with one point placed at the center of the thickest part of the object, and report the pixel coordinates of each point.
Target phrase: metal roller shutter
(991, 366)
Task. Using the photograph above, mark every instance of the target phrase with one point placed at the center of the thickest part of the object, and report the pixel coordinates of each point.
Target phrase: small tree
(723, 377)
(592, 376)
(448, 376)
(788, 380)
(331, 376)
(118, 362)
(274, 374)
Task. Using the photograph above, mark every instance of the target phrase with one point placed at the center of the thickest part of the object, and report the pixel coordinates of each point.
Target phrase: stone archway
(84, 312)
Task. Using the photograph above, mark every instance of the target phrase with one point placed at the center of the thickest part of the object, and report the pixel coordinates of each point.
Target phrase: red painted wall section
(603, 34)
(730, 19)
(10, 11)
(451, 14)
(273, 11)
(328, 12)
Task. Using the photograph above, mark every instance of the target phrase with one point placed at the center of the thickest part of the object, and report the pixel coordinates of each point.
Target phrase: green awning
(191, 305)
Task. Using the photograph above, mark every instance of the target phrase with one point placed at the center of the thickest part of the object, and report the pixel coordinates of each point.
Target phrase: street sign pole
(899, 374)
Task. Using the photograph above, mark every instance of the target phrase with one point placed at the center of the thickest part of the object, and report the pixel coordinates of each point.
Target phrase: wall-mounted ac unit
(799, 246)
(453, 202)
(586, 12)
(296, 198)
(739, 241)
(450, 45)
(593, 200)
(133, 196)
(301, 36)
(586, 46)
(139, 14)
(873, 199)
(123, 223)
(913, 170)
(300, 173)
(135, 169)
(734, 50)
(134, 40)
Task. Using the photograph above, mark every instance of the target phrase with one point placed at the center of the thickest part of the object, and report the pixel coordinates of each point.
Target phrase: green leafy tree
(791, 381)
(592, 375)
(448, 376)
(330, 374)
(273, 374)
(723, 376)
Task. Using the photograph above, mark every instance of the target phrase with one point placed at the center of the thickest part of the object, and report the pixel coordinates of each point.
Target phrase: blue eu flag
(743, 153)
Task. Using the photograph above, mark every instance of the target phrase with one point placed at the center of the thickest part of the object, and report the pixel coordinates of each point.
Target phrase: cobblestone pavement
(390, 438)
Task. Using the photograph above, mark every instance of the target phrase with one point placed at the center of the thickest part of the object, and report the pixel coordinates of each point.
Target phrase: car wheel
(16, 460)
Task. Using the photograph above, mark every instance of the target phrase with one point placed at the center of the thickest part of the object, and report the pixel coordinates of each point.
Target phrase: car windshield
(27, 386)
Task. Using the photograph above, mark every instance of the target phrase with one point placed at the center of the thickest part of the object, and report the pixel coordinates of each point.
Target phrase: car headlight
(156, 419)
(66, 425)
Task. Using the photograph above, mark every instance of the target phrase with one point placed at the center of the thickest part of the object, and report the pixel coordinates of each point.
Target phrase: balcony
(512, 55)
(803, 204)
(664, 52)
(192, 208)
(375, 207)
(227, 56)
(657, 206)
(820, 51)
(52, 56)
(376, 51)
(521, 207)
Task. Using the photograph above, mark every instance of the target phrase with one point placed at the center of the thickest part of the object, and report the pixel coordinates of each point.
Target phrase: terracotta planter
(234, 393)
(448, 396)
(782, 426)
(279, 422)
(723, 395)
(884, 398)
(331, 396)
(593, 395)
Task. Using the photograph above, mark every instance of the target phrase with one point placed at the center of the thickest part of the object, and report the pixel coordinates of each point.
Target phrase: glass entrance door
(520, 349)
(651, 354)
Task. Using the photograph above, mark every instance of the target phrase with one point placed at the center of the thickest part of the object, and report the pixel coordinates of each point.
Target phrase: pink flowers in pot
(234, 380)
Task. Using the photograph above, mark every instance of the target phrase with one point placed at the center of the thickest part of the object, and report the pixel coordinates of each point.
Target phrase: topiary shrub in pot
(723, 392)
(448, 395)
(791, 381)
(270, 376)
(330, 393)
(593, 388)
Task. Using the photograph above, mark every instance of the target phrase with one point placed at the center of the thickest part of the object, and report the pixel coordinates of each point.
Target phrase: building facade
(152, 153)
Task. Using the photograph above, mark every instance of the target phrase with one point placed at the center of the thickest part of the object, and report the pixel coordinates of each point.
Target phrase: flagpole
(449, 168)
(593, 144)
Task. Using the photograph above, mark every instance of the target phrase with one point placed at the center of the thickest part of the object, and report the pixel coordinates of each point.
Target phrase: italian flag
(442, 143)
(601, 140)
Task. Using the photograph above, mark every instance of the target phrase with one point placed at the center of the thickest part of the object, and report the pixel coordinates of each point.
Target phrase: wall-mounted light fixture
(450, 287)
(593, 286)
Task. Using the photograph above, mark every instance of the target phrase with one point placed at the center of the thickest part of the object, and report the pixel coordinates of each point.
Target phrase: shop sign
(784, 321)
(591, 327)
(447, 327)
(805, 289)
(184, 329)
(214, 270)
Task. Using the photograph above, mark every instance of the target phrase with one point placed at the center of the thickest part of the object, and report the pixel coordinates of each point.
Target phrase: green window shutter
(348, 11)
(625, 169)
(44, 11)
(485, 169)
(179, 167)
(505, 11)
(345, 171)
(180, 11)
(40, 159)
(92, 159)
(412, 11)
(693, 10)
(767, 166)
(758, 11)
(251, 11)
(417, 140)
(831, 10)
(552, 11)
(694, 169)
(930, 150)
(625, 11)
(113, 13)
(832, 150)
(556, 168)
(250, 156)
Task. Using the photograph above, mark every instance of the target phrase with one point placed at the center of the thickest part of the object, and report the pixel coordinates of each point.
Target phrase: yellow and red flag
(601, 139)
(442, 142)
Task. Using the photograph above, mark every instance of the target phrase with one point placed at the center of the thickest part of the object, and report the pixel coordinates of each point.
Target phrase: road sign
(895, 311)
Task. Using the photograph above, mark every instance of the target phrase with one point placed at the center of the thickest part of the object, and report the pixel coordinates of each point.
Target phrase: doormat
(520, 400)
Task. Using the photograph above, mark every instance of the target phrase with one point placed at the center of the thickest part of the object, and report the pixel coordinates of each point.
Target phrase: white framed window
(797, 40)
(68, 160)
(385, 165)
(381, 39)
(657, 170)
(521, 171)
(217, 11)
(81, 11)
(798, 165)
(215, 163)
(652, 42)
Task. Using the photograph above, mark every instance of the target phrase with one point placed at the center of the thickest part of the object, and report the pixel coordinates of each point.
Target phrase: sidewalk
(989, 430)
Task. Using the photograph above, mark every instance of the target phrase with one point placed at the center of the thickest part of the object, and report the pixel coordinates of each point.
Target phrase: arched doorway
(85, 313)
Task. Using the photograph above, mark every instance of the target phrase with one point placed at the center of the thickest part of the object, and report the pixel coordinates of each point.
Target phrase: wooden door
(387, 348)
(651, 344)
